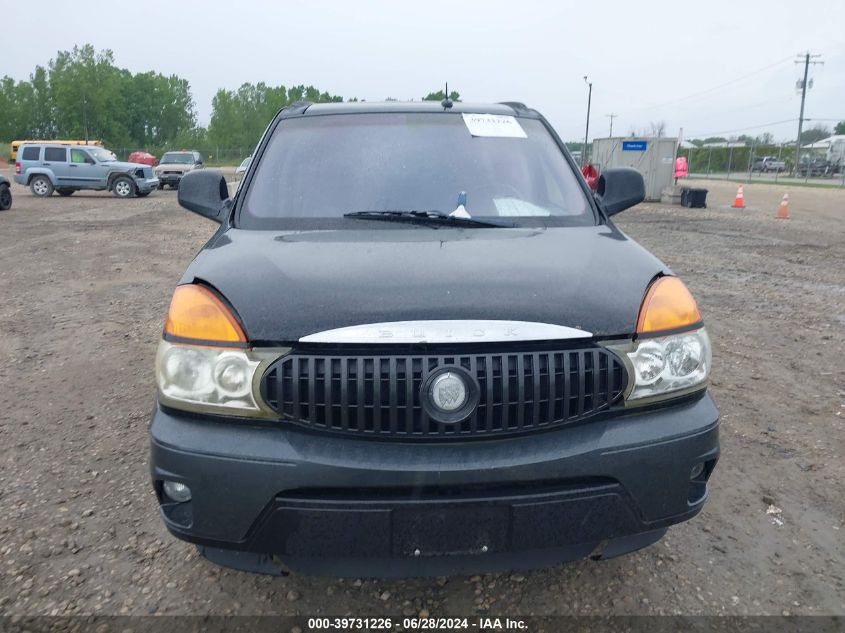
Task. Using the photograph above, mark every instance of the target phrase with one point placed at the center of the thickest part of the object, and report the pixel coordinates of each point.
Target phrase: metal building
(653, 157)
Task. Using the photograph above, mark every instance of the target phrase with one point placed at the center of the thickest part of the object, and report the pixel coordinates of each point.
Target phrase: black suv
(418, 345)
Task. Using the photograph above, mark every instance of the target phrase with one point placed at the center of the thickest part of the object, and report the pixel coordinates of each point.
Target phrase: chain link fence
(745, 163)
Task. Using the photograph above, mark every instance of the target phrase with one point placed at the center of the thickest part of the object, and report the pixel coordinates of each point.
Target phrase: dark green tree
(87, 96)
(26, 107)
(840, 128)
(158, 108)
(238, 117)
(454, 95)
(12, 125)
(813, 134)
(82, 92)
(41, 117)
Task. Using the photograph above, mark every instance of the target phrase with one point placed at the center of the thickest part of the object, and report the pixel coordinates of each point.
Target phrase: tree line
(82, 94)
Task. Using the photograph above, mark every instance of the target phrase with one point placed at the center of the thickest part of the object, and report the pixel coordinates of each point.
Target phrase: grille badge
(449, 395)
(448, 392)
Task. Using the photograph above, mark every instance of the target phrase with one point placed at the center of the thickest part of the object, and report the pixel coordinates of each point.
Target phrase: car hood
(287, 285)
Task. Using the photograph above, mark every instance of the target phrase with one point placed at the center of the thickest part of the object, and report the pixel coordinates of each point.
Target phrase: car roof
(357, 107)
(48, 144)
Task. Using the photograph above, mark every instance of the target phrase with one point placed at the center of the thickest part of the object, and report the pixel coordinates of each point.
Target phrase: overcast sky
(713, 68)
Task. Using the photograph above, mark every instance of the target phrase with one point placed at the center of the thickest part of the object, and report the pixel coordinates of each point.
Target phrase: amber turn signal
(668, 305)
(198, 314)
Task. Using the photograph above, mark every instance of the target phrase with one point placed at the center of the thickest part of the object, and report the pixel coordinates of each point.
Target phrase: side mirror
(205, 192)
(620, 188)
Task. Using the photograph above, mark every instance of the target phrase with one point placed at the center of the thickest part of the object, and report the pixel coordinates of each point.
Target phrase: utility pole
(611, 117)
(587, 131)
(85, 116)
(807, 60)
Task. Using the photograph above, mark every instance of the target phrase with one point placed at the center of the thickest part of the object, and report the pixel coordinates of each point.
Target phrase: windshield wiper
(424, 217)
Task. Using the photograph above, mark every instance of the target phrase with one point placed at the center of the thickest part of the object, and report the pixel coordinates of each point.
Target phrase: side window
(80, 157)
(55, 154)
(31, 153)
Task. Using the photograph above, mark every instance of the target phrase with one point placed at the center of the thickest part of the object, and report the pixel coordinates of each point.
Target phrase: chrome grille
(379, 394)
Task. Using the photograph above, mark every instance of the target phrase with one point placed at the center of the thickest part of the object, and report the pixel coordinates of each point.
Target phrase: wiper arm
(423, 217)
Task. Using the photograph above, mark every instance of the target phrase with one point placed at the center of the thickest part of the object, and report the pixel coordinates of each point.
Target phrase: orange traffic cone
(783, 211)
(739, 202)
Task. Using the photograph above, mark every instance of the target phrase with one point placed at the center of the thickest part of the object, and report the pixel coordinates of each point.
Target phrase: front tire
(41, 186)
(123, 187)
(5, 197)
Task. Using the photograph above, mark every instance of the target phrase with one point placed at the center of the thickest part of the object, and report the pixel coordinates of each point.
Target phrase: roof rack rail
(297, 107)
(516, 105)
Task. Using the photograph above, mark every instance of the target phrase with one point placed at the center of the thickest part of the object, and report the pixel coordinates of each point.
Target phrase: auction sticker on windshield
(493, 125)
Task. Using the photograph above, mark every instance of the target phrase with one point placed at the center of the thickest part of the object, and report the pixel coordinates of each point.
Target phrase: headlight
(212, 379)
(666, 366)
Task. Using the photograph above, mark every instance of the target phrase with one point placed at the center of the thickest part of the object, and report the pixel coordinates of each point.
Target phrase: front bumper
(341, 506)
(170, 179)
(145, 185)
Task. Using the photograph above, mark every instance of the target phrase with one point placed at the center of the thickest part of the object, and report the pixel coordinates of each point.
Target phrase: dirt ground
(84, 284)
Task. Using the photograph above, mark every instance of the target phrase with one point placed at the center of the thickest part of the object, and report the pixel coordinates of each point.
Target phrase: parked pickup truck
(768, 163)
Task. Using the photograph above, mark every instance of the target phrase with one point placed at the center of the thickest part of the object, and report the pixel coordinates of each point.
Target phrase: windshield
(100, 154)
(317, 168)
(179, 159)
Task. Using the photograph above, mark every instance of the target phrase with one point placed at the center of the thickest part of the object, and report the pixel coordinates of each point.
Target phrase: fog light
(695, 473)
(177, 491)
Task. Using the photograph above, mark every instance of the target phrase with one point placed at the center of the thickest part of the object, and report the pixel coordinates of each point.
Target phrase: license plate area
(439, 530)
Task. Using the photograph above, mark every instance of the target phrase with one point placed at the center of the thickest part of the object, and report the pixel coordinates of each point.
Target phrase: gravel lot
(85, 282)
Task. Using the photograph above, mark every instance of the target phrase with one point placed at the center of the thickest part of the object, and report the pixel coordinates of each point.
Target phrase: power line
(611, 117)
(750, 106)
(715, 88)
(742, 129)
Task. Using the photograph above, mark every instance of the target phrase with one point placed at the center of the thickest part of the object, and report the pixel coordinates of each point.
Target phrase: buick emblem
(448, 392)
(449, 395)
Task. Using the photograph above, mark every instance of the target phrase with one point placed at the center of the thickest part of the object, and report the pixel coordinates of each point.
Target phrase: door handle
(72, 165)
(46, 164)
